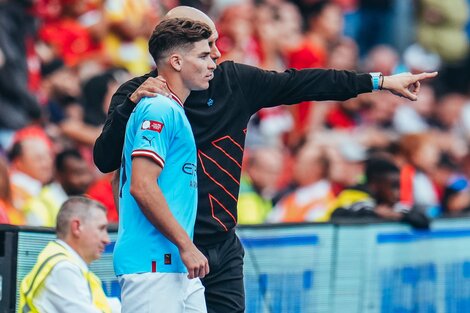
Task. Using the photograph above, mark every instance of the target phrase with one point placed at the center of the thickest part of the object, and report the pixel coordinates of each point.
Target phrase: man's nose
(212, 64)
(106, 238)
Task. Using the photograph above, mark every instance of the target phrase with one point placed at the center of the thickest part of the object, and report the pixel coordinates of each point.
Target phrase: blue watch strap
(375, 80)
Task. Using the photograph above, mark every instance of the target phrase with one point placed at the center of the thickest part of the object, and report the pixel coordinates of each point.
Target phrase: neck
(76, 247)
(175, 84)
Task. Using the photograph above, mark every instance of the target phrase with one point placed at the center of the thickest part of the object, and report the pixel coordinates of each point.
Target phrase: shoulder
(132, 84)
(66, 271)
(355, 198)
(227, 67)
(158, 105)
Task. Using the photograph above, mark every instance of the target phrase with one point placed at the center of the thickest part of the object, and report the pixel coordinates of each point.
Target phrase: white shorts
(161, 292)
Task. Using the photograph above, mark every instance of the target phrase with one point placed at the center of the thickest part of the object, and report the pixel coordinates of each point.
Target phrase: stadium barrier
(354, 267)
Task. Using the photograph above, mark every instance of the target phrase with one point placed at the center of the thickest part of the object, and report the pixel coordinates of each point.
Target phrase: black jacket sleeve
(416, 219)
(108, 147)
(269, 88)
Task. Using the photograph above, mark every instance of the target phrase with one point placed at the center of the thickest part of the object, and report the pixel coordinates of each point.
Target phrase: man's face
(215, 53)
(94, 236)
(76, 177)
(198, 67)
(388, 189)
(36, 160)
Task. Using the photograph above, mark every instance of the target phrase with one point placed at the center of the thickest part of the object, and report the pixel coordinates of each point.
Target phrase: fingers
(207, 268)
(423, 76)
(199, 270)
(157, 85)
(409, 95)
(416, 87)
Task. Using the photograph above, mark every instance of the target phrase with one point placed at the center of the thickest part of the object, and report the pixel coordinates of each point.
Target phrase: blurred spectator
(237, 40)
(348, 165)
(379, 197)
(289, 27)
(31, 168)
(18, 107)
(97, 93)
(414, 116)
(73, 177)
(324, 26)
(67, 32)
(454, 186)
(448, 112)
(60, 90)
(465, 119)
(344, 55)
(8, 213)
(269, 126)
(61, 281)
(258, 185)
(130, 24)
(102, 191)
(380, 111)
(73, 173)
(441, 28)
(421, 156)
(312, 196)
(382, 59)
(376, 24)
(344, 115)
(448, 123)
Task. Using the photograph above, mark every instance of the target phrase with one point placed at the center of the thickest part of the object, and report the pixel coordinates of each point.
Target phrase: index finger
(425, 76)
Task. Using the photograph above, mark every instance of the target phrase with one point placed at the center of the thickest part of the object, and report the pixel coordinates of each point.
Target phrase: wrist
(377, 80)
(183, 243)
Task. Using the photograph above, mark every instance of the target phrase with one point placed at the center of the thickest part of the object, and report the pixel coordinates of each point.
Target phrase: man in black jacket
(219, 118)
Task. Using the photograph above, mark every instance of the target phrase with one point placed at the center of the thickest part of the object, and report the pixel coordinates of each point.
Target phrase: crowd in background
(376, 155)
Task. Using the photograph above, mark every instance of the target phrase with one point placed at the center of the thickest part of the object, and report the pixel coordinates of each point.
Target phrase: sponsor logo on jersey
(167, 259)
(153, 126)
(148, 139)
(189, 168)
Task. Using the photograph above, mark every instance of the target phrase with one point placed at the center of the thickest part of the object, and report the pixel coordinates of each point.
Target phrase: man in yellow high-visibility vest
(60, 281)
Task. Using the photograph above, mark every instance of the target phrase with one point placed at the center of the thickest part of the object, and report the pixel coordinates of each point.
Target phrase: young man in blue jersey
(158, 266)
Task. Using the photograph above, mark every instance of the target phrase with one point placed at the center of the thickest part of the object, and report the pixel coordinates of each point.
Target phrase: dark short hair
(62, 157)
(176, 33)
(377, 168)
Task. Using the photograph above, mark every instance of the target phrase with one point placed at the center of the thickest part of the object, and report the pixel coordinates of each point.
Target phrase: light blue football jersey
(157, 129)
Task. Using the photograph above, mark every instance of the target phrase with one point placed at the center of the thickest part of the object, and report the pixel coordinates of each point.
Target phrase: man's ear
(75, 227)
(176, 62)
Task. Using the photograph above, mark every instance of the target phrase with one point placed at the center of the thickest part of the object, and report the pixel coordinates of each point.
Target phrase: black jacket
(219, 118)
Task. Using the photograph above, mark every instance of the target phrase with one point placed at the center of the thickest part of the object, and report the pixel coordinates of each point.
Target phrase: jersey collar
(175, 97)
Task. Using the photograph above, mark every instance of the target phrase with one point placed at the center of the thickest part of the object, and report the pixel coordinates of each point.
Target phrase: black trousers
(225, 292)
